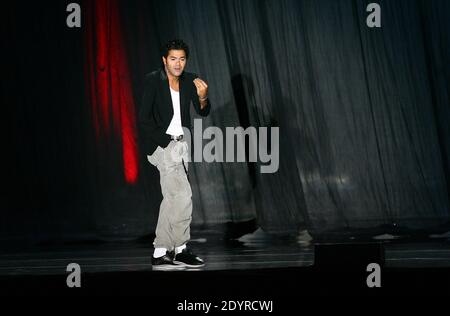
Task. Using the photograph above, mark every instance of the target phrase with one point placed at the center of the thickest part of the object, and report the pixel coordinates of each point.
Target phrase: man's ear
(164, 60)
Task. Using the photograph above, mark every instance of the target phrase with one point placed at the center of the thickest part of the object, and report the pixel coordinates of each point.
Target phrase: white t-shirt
(175, 127)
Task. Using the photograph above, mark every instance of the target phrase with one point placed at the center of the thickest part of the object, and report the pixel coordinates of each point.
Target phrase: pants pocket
(155, 158)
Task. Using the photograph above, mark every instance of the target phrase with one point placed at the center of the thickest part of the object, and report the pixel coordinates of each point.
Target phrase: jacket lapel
(165, 88)
(183, 97)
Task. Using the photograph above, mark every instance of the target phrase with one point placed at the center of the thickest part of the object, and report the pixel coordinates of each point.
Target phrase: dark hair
(176, 44)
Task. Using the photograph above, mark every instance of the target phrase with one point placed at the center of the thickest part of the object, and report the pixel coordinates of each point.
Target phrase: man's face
(175, 62)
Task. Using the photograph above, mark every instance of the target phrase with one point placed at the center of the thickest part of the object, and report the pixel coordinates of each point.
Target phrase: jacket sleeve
(196, 101)
(148, 126)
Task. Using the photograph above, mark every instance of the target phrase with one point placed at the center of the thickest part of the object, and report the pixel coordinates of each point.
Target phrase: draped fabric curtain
(363, 142)
(364, 139)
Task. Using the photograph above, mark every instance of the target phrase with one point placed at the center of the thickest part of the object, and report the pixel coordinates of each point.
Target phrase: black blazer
(156, 110)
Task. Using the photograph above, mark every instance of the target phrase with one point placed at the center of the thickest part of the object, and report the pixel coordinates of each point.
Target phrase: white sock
(159, 252)
(179, 249)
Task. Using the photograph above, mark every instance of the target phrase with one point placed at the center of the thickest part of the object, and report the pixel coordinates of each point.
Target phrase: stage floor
(253, 251)
(258, 262)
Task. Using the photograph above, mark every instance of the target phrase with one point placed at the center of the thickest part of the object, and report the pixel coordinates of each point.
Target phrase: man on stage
(165, 110)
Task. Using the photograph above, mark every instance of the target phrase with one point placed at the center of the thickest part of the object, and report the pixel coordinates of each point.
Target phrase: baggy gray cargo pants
(175, 212)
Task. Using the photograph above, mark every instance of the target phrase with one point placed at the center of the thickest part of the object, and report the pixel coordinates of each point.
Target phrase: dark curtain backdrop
(363, 115)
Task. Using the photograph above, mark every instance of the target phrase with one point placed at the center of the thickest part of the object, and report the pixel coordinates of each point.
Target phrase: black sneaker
(165, 263)
(188, 259)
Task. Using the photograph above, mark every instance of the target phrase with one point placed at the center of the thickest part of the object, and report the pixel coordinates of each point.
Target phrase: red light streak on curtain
(109, 85)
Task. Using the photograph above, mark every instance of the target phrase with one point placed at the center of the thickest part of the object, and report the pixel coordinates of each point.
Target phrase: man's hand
(202, 89)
